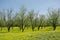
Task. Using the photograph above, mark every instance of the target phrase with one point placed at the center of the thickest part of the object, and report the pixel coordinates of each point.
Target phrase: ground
(43, 34)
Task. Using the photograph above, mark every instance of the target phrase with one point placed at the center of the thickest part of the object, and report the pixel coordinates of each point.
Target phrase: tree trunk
(22, 28)
(9, 29)
(38, 27)
(54, 26)
(32, 27)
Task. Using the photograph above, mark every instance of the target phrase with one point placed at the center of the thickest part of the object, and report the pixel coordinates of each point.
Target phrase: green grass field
(43, 34)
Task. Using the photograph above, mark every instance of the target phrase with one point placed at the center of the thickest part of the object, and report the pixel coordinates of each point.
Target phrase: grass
(43, 34)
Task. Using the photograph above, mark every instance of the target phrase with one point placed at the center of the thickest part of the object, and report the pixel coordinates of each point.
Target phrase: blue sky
(37, 5)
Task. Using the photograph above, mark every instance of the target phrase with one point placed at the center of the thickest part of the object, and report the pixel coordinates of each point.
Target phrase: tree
(2, 19)
(16, 20)
(53, 17)
(9, 22)
(31, 18)
(22, 17)
(27, 22)
(41, 21)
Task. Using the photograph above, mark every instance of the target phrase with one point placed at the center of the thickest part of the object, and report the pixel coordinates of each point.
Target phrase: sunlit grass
(43, 34)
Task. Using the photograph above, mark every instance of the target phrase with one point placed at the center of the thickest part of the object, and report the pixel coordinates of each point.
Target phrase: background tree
(36, 22)
(22, 17)
(31, 18)
(16, 20)
(27, 22)
(41, 21)
(53, 17)
(9, 22)
(2, 19)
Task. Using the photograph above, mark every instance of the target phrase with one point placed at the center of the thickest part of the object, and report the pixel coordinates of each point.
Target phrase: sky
(40, 6)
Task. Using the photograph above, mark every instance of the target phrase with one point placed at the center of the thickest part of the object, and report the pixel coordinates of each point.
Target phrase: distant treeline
(23, 19)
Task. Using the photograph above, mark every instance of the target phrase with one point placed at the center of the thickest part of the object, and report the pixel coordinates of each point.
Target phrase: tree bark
(9, 29)
(22, 28)
(38, 27)
(32, 28)
(54, 26)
